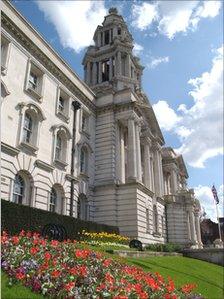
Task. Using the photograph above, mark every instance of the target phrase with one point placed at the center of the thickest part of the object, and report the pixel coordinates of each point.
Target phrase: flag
(215, 195)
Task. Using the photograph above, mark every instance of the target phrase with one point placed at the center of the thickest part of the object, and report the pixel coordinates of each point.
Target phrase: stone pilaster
(192, 228)
(111, 68)
(147, 168)
(132, 169)
(198, 230)
(100, 72)
(88, 74)
(94, 73)
(118, 63)
(138, 152)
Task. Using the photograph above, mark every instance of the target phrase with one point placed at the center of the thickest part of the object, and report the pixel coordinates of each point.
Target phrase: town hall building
(90, 149)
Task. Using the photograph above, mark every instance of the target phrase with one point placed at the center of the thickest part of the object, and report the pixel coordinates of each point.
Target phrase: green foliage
(168, 247)
(208, 277)
(16, 291)
(17, 217)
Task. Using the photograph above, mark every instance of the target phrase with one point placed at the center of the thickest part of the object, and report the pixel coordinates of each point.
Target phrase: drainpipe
(76, 105)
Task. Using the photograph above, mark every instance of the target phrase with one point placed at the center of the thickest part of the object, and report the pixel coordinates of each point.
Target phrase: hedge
(16, 217)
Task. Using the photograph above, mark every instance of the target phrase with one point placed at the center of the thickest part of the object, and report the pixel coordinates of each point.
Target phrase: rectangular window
(105, 70)
(35, 81)
(106, 37)
(63, 103)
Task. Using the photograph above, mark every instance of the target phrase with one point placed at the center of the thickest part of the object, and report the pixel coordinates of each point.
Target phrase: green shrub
(17, 217)
(168, 247)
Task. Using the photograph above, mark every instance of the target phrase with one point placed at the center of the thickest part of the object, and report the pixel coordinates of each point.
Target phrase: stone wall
(211, 255)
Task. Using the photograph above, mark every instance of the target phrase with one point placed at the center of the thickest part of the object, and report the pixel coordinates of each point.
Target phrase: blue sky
(180, 44)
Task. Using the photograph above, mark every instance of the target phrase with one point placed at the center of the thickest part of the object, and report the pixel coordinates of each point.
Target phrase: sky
(180, 44)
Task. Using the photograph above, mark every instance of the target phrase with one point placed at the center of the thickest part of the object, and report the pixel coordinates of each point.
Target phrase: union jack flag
(215, 195)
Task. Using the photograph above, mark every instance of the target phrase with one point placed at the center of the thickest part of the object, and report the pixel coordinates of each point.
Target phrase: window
(27, 128)
(83, 160)
(101, 38)
(118, 31)
(123, 66)
(53, 200)
(31, 118)
(58, 149)
(5, 43)
(34, 83)
(85, 122)
(18, 191)
(105, 70)
(61, 135)
(63, 105)
(106, 37)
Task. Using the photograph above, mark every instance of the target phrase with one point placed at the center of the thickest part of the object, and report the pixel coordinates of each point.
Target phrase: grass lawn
(16, 291)
(182, 270)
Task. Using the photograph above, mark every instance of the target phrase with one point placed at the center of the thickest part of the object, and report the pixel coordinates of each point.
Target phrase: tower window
(105, 70)
(118, 31)
(107, 37)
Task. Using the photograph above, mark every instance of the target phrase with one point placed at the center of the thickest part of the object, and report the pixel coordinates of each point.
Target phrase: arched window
(27, 128)
(19, 189)
(53, 200)
(155, 219)
(83, 160)
(82, 207)
(58, 148)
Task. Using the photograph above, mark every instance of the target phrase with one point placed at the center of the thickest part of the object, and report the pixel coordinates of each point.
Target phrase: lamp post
(76, 106)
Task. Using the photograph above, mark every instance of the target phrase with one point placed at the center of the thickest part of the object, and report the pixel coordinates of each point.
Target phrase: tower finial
(113, 10)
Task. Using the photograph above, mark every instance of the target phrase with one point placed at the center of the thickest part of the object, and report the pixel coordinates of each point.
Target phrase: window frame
(17, 195)
(6, 52)
(53, 203)
(63, 114)
(34, 69)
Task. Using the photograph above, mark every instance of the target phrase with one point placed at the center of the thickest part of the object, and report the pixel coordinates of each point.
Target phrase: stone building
(121, 172)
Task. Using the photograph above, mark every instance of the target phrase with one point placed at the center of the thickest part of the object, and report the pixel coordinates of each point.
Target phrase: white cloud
(205, 196)
(166, 116)
(172, 17)
(137, 49)
(199, 128)
(144, 15)
(74, 21)
(156, 61)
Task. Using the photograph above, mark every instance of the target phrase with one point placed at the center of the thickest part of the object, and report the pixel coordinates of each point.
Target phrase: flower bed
(62, 270)
(95, 238)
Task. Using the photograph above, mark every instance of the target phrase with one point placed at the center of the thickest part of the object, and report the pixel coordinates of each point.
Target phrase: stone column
(111, 68)
(128, 66)
(158, 182)
(88, 75)
(122, 155)
(152, 172)
(132, 171)
(147, 169)
(192, 227)
(118, 64)
(98, 39)
(118, 152)
(94, 73)
(174, 181)
(138, 152)
(100, 72)
(198, 229)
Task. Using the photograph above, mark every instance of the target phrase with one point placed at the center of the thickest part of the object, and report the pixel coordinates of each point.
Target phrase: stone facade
(123, 175)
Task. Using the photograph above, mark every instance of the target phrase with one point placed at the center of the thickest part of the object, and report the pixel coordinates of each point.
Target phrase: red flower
(29, 234)
(170, 287)
(109, 278)
(82, 253)
(69, 286)
(54, 243)
(43, 242)
(34, 250)
(55, 273)
(15, 240)
(188, 288)
(22, 233)
(20, 275)
(106, 262)
(47, 256)
(35, 241)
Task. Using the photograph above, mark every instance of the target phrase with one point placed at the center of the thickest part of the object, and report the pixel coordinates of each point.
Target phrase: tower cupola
(110, 63)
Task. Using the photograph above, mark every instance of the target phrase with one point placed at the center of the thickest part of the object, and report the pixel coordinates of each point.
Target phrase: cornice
(25, 42)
